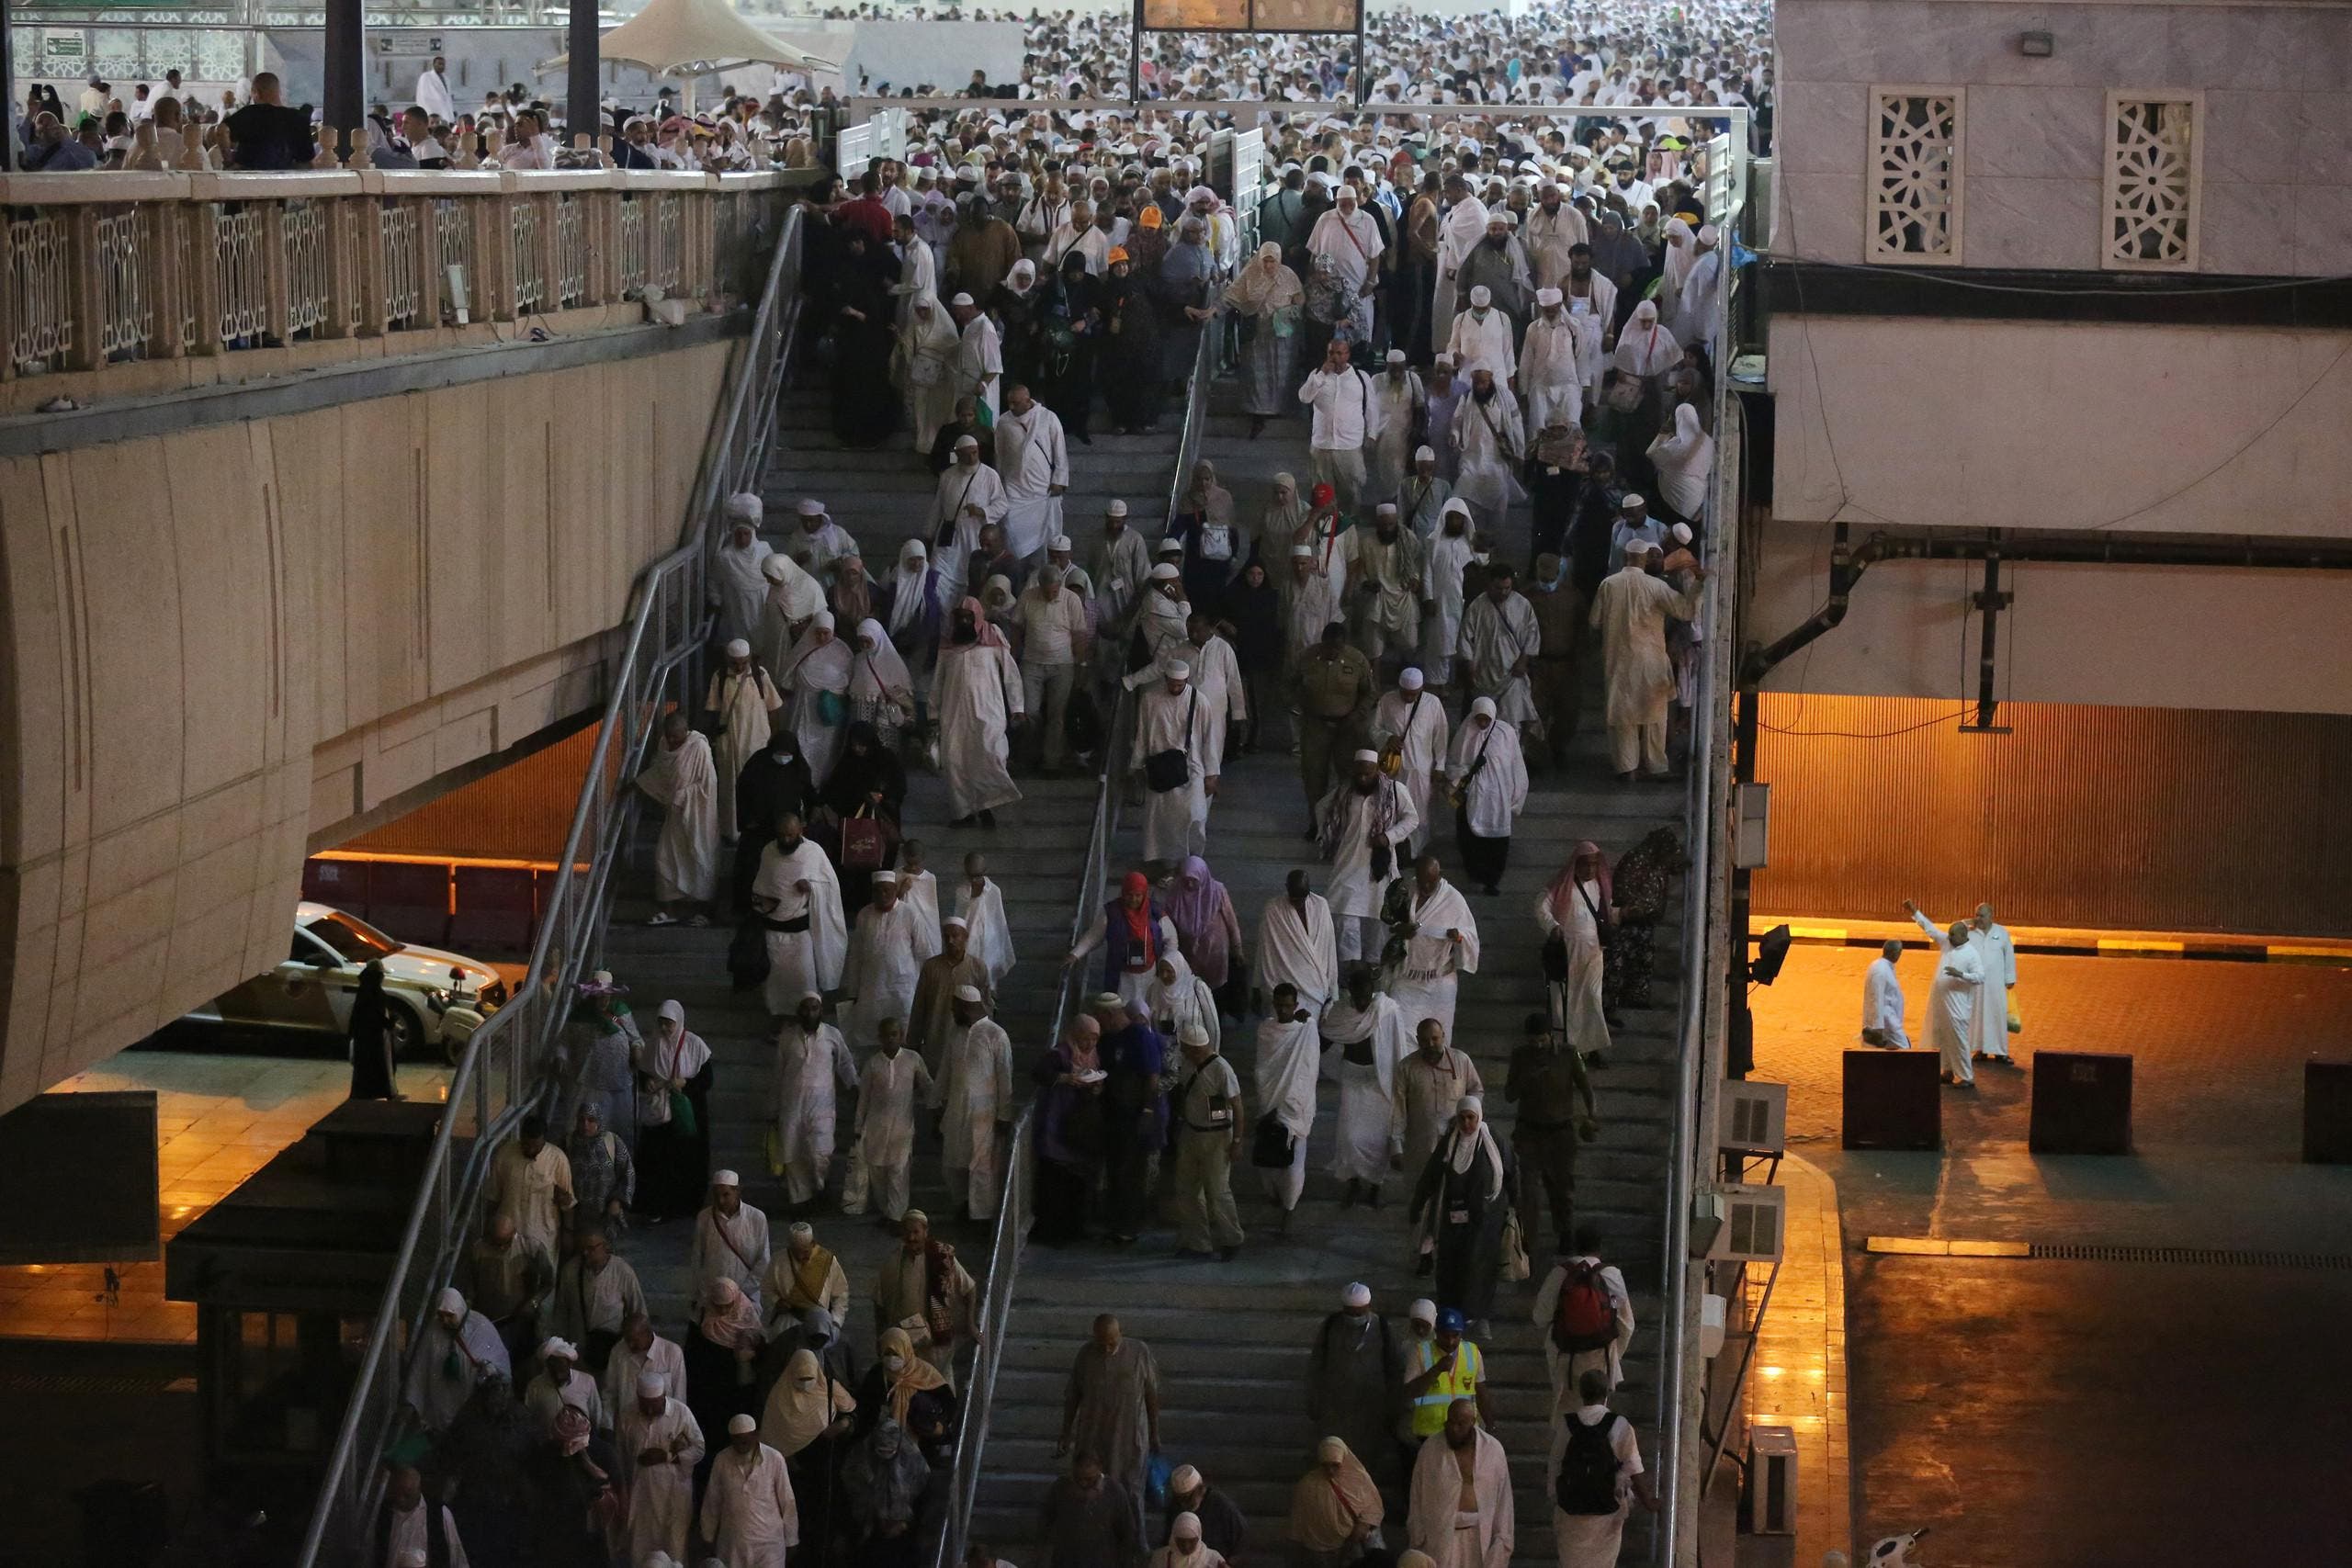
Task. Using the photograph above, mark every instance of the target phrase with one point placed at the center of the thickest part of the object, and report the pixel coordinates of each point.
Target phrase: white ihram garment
(975, 693)
(685, 857)
(812, 1070)
(1367, 1089)
(974, 1093)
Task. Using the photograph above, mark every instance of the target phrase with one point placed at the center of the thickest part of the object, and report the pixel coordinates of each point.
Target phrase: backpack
(1587, 1483)
(1585, 1318)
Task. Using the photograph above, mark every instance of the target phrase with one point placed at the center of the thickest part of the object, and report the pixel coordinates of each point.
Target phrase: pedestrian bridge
(318, 494)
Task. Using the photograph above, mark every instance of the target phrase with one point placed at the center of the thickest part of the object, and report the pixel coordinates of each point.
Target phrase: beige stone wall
(215, 643)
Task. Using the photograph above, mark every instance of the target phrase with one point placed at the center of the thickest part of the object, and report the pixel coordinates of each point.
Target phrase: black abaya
(672, 1165)
(370, 1038)
(1467, 1225)
(1129, 357)
(866, 404)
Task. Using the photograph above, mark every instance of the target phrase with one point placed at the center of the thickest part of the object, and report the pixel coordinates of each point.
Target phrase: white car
(435, 1000)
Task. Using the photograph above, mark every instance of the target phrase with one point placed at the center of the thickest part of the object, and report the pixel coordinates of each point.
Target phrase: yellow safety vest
(1462, 1383)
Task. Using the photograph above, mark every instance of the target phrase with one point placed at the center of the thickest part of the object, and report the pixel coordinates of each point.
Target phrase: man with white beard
(685, 857)
(1499, 636)
(1035, 460)
(1411, 724)
(817, 541)
(659, 1444)
(1548, 377)
(1349, 238)
(736, 577)
(988, 933)
(1078, 234)
(1464, 226)
(975, 700)
(812, 1071)
(971, 496)
(973, 1099)
(1441, 945)
(1297, 944)
(799, 899)
(1481, 340)
(887, 948)
(1364, 818)
(1372, 1038)
(1490, 441)
(1442, 563)
(1179, 772)
(742, 696)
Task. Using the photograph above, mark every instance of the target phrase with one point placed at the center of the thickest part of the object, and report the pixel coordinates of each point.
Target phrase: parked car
(437, 1000)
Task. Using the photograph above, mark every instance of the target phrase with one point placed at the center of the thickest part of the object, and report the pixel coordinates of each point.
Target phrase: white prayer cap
(1058, 542)
(811, 507)
(1358, 1295)
(1175, 669)
(1164, 572)
(817, 997)
(961, 299)
(1484, 706)
(1184, 1479)
(739, 1425)
(737, 648)
(1627, 503)
(1422, 1311)
(725, 1179)
(1395, 356)
(958, 921)
(963, 441)
(1681, 532)
(1547, 297)
(1709, 233)
(1106, 999)
(551, 1346)
(603, 979)
(1444, 361)
(967, 994)
(1117, 509)
(1481, 296)
(885, 879)
(1192, 1035)
(745, 506)
(1171, 546)
(1367, 755)
(1411, 680)
(651, 1385)
(1302, 552)
(1469, 1102)
(1424, 455)
(1198, 192)
(1455, 507)
(801, 1228)
(450, 1301)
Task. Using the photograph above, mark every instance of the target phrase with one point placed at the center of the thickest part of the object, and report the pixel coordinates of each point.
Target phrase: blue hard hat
(1449, 1321)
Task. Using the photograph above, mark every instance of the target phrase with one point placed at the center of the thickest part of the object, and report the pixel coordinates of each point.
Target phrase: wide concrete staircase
(1036, 855)
(1231, 1338)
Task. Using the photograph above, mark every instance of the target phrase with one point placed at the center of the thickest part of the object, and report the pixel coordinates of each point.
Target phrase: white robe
(1548, 372)
(748, 1509)
(1479, 341)
(1458, 233)
(710, 1258)
(1443, 556)
(886, 954)
(887, 1094)
(743, 702)
(988, 931)
(1314, 605)
(1288, 1053)
(1419, 720)
(1490, 441)
(1632, 608)
(432, 95)
(660, 1496)
(1354, 890)
(974, 693)
(1426, 984)
(1951, 1001)
(1216, 675)
(1175, 821)
(1547, 238)
(685, 857)
(1032, 456)
(1171, 1005)
(920, 890)
(812, 1071)
(411, 1531)
(1368, 1091)
(663, 1358)
(801, 962)
(1451, 1540)
(1996, 956)
(1494, 639)
(742, 587)
(1591, 323)
(1300, 948)
(1883, 1003)
(973, 1094)
(1353, 243)
(446, 1366)
(960, 489)
(1576, 1002)
(1694, 311)
(978, 354)
(1498, 791)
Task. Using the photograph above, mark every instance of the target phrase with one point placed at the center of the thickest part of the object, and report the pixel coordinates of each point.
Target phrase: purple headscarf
(1202, 917)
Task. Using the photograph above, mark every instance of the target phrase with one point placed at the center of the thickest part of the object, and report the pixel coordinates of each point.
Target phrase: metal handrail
(506, 1056)
(1705, 815)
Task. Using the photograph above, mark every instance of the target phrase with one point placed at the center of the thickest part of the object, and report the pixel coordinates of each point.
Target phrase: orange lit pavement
(1798, 1377)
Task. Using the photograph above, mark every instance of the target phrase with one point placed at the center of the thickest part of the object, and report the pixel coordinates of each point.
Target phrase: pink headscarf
(1562, 894)
(990, 635)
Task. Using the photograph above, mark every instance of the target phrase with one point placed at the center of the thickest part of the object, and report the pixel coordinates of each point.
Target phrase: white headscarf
(1262, 290)
(879, 672)
(1646, 348)
(1463, 1150)
(814, 667)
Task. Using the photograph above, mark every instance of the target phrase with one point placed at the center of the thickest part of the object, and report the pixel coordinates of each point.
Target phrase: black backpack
(1587, 1483)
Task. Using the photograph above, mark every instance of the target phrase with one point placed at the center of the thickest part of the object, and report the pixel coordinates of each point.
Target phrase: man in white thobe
(1366, 816)
(1175, 716)
(798, 895)
(1883, 1001)
(408, 1521)
(742, 696)
(1952, 1000)
(886, 953)
(460, 1349)
(1119, 567)
(1403, 406)
(1997, 955)
(817, 541)
(1311, 603)
(432, 93)
(736, 575)
(971, 496)
(973, 1099)
(1425, 496)
(1298, 946)
(988, 932)
(1632, 608)
(1499, 635)
(1695, 308)
(1443, 560)
(1078, 234)
(1035, 460)
(1410, 723)
(748, 1509)
(882, 1159)
(1490, 444)
(730, 1242)
(1369, 1032)
(979, 354)
(1384, 575)
(659, 1444)
(1481, 341)
(530, 1185)
(1440, 946)
(1459, 232)
(1552, 230)
(813, 1070)
(683, 780)
(641, 1351)
(1548, 377)
(1460, 1511)
(975, 699)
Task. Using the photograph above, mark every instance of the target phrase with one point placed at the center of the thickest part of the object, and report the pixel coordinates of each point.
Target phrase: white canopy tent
(690, 38)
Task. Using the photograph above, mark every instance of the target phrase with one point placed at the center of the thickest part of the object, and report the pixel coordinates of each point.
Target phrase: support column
(346, 66)
(582, 115)
(10, 150)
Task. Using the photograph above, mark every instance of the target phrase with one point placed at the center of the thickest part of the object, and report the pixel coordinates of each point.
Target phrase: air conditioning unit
(1771, 1481)
(1753, 1118)
(1753, 1224)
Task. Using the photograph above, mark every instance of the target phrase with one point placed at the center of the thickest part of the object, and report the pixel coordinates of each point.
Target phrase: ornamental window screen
(1914, 201)
(2154, 181)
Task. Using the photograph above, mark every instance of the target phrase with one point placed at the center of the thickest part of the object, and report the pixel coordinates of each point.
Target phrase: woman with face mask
(907, 1389)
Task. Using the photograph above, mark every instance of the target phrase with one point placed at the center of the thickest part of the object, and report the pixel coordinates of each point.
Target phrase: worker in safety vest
(1440, 1369)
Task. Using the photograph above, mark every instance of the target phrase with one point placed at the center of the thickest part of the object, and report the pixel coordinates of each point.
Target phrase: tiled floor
(218, 1119)
(1798, 1378)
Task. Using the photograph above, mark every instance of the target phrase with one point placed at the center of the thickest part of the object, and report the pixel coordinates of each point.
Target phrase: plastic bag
(1155, 1482)
(2017, 1023)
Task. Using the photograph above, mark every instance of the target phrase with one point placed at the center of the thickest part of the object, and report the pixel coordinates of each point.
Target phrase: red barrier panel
(342, 883)
(496, 908)
(411, 902)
